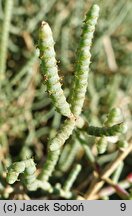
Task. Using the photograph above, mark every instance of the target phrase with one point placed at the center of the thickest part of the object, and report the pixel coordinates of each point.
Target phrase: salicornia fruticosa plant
(50, 73)
(83, 61)
(31, 118)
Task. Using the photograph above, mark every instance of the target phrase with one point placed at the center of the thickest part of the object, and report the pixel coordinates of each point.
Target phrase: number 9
(123, 206)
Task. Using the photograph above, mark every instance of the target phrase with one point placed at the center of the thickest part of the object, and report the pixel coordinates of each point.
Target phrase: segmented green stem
(30, 180)
(62, 135)
(113, 117)
(83, 61)
(54, 148)
(14, 170)
(102, 145)
(29, 172)
(4, 37)
(107, 131)
(49, 165)
(27, 169)
(72, 177)
(50, 70)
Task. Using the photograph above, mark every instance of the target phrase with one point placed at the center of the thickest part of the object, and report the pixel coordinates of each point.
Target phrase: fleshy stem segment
(27, 169)
(83, 61)
(107, 131)
(113, 116)
(54, 148)
(50, 70)
(49, 165)
(63, 135)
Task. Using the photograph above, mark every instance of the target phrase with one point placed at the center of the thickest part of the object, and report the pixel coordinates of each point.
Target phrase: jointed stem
(83, 61)
(49, 165)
